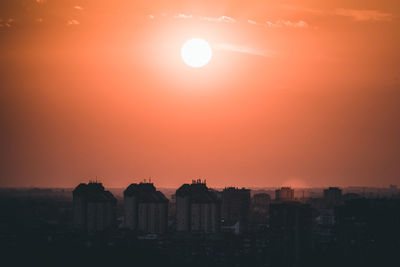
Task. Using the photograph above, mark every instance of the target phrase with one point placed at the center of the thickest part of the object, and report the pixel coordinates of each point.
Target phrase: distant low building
(197, 209)
(93, 207)
(351, 196)
(332, 196)
(284, 194)
(146, 209)
(261, 200)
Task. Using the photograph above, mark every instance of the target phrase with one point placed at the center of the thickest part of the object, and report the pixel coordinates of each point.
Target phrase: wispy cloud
(6, 23)
(219, 19)
(280, 23)
(211, 19)
(287, 23)
(225, 19)
(183, 16)
(73, 22)
(244, 50)
(355, 14)
(364, 15)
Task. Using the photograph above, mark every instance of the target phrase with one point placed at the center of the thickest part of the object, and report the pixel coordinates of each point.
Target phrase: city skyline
(295, 184)
(200, 226)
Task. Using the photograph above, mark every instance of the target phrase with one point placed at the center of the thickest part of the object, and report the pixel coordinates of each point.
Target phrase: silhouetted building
(146, 209)
(235, 207)
(197, 208)
(333, 196)
(393, 191)
(291, 230)
(284, 194)
(371, 226)
(260, 210)
(261, 200)
(93, 207)
(351, 196)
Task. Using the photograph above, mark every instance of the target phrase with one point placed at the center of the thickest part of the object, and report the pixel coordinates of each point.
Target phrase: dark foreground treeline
(36, 231)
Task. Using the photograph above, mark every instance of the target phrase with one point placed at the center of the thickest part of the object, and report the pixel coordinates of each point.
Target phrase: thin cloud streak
(280, 24)
(183, 16)
(73, 22)
(211, 19)
(356, 14)
(6, 23)
(226, 19)
(364, 15)
(287, 23)
(244, 50)
(219, 19)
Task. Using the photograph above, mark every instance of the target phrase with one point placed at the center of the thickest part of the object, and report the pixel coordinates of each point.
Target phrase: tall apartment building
(93, 207)
(284, 194)
(291, 233)
(236, 207)
(146, 209)
(197, 208)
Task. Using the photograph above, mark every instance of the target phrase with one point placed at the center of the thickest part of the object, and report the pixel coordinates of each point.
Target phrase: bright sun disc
(196, 53)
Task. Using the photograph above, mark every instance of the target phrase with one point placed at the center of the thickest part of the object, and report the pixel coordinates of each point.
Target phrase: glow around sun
(196, 53)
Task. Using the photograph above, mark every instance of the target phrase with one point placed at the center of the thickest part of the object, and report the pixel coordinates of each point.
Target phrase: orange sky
(304, 91)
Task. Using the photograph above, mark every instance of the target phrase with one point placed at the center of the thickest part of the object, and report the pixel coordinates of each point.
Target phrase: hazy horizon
(210, 186)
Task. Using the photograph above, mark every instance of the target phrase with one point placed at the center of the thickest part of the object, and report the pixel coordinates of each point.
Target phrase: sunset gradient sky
(301, 92)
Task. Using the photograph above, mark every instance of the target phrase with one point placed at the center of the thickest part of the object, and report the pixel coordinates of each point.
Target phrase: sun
(196, 53)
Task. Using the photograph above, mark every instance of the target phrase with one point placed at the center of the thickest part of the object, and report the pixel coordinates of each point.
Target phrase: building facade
(260, 210)
(146, 209)
(93, 208)
(235, 207)
(198, 209)
(291, 233)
